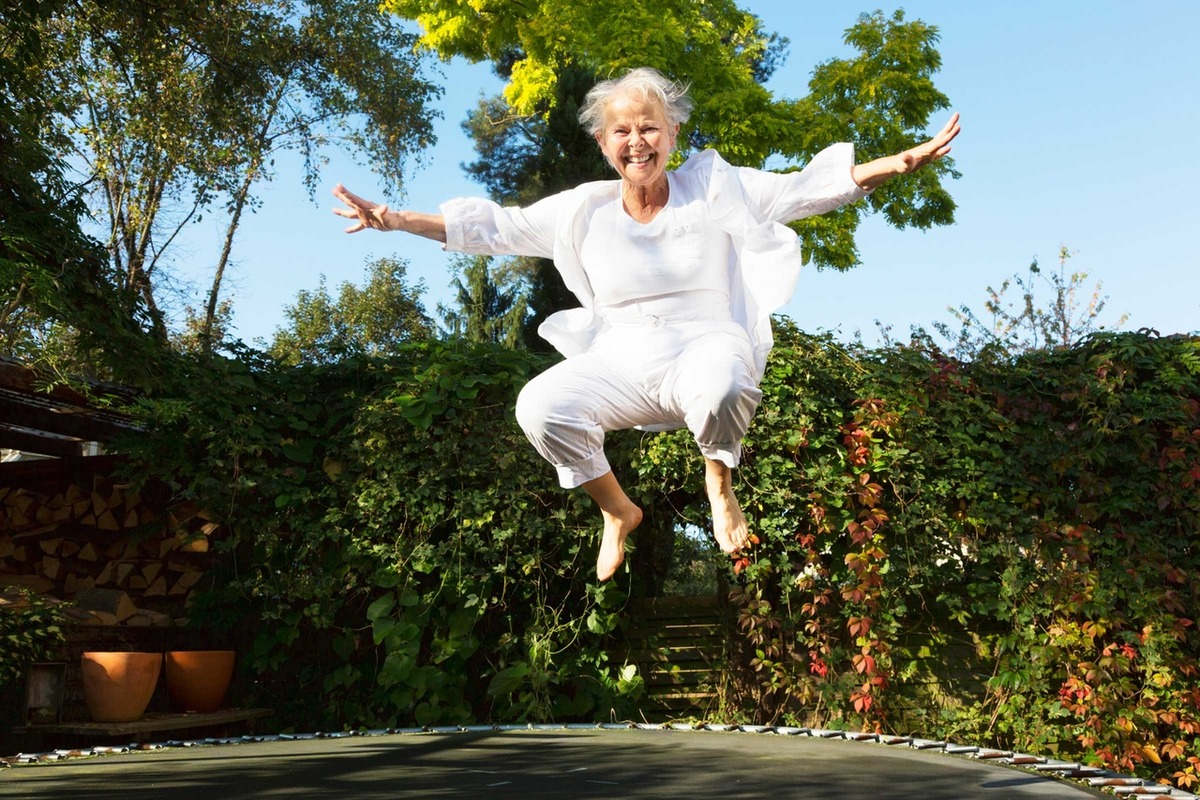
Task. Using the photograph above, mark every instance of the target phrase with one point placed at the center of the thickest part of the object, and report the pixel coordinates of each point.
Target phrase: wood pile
(120, 561)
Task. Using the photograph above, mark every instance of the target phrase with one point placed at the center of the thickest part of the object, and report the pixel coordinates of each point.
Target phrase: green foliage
(1030, 324)
(377, 319)
(486, 312)
(59, 303)
(177, 109)
(30, 631)
(398, 554)
(1048, 507)
(552, 52)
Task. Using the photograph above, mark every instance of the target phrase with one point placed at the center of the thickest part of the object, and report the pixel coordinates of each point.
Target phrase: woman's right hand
(368, 214)
(377, 217)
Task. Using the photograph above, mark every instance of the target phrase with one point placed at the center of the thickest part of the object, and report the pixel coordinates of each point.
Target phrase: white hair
(645, 82)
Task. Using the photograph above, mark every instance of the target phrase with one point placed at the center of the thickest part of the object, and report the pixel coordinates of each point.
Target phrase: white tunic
(745, 208)
(663, 264)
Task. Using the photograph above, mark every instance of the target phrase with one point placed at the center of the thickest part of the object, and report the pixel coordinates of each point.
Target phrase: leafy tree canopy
(881, 99)
(486, 310)
(176, 109)
(1009, 328)
(373, 320)
(60, 304)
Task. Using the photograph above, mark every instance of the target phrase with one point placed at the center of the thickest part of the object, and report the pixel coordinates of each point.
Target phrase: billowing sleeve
(480, 227)
(824, 185)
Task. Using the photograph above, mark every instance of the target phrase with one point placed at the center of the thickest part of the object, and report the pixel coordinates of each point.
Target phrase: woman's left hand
(935, 148)
(873, 173)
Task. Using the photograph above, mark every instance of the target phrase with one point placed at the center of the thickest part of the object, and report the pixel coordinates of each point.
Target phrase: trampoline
(640, 761)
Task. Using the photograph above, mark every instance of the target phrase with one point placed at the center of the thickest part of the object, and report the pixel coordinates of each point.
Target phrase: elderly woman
(677, 273)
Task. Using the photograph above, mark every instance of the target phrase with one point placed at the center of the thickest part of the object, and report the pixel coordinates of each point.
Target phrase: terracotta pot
(197, 679)
(117, 687)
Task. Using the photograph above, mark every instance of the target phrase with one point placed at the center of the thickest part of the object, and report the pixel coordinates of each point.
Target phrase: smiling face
(637, 140)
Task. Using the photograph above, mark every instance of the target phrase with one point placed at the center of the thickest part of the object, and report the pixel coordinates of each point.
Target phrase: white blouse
(673, 255)
(742, 207)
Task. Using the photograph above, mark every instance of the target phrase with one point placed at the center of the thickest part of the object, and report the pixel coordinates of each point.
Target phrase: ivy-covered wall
(398, 554)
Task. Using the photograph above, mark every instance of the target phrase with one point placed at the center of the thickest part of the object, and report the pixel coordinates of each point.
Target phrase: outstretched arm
(873, 173)
(379, 217)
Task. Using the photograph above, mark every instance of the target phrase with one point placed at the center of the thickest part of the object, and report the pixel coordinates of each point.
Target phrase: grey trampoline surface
(537, 763)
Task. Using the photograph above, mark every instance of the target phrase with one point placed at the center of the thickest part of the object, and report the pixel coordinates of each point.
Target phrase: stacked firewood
(103, 549)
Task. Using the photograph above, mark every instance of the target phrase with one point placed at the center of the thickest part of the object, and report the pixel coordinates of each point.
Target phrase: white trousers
(649, 373)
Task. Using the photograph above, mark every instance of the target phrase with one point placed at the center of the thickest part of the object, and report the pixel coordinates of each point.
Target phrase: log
(150, 571)
(6, 545)
(157, 589)
(107, 601)
(68, 549)
(106, 574)
(44, 515)
(199, 545)
(151, 618)
(88, 552)
(35, 583)
(209, 528)
(186, 581)
(136, 582)
(101, 618)
(73, 495)
(99, 504)
(131, 519)
(50, 546)
(51, 567)
(81, 509)
(123, 570)
(78, 614)
(108, 521)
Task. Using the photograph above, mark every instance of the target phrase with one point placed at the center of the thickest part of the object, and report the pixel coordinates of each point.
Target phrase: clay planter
(117, 687)
(197, 679)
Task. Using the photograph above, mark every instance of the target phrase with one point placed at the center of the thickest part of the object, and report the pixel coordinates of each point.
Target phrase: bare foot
(617, 528)
(729, 523)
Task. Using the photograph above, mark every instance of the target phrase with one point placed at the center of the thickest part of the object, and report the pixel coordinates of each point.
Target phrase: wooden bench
(152, 722)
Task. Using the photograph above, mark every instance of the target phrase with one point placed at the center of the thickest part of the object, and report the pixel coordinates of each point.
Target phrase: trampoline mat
(534, 763)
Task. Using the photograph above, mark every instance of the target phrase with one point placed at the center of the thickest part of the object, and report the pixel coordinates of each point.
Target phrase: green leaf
(508, 680)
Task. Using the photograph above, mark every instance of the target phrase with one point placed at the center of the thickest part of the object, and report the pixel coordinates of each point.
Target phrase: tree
(177, 109)
(374, 320)
(530, 143)
(524, 158)
(881, 99)
(1025, 325)
(485, 311)
(60, 304)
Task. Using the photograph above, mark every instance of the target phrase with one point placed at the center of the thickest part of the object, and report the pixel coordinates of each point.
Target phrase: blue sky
(1080, 125)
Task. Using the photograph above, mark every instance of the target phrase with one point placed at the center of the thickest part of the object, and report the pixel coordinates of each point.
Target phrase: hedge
(397, 554)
